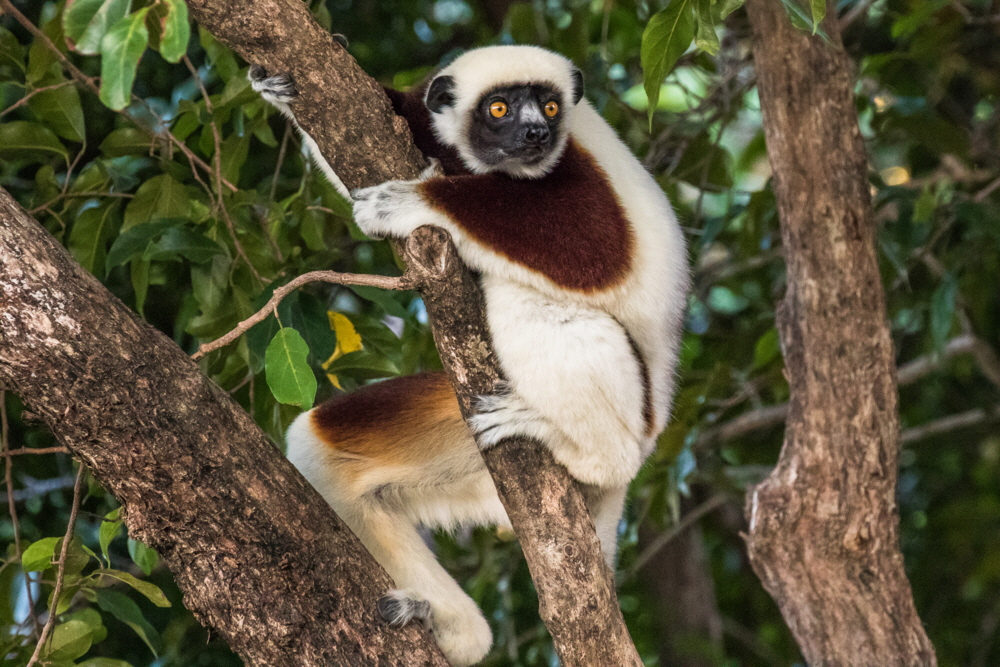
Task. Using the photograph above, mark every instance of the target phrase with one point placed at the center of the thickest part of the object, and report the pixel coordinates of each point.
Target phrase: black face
(516, 124)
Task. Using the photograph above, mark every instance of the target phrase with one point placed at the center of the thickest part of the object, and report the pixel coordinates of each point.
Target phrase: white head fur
(481, 70)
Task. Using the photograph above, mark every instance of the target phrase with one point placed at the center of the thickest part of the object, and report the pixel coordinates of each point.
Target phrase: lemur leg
(388, 458)
(279, 90)
(606, 507)
(576, 384)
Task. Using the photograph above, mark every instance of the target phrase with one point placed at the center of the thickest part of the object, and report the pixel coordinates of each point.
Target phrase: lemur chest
(568, 226)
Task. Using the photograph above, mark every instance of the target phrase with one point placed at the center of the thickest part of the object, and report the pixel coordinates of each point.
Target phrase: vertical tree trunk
(823, 531)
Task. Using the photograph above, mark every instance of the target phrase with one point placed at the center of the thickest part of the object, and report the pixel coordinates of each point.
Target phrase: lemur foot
(397, 609)
(506, 415)
(275, 88)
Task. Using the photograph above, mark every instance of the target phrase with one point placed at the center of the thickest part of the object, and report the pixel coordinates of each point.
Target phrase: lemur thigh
(387, 458)
(574, 367)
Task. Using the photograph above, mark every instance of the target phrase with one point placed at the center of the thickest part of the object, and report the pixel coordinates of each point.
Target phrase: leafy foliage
(188, 197)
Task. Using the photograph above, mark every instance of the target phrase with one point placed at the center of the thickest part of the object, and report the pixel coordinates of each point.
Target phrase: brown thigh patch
(394, 421)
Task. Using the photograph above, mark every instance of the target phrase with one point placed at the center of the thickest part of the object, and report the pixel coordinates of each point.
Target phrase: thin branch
(663, 539)
(27, 98)
(281, 159)
(33, 488)
(907, 374)
(31, 450)
(11, 508)
(61, 570)
(941, 426)
(404, 282)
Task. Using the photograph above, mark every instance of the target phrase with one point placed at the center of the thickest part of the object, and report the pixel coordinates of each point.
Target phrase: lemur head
(506, 108)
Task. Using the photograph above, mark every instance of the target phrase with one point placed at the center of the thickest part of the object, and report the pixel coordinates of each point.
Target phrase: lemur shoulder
(584, 270)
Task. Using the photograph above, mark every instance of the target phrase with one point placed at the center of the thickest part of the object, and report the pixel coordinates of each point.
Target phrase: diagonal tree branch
(258, 553)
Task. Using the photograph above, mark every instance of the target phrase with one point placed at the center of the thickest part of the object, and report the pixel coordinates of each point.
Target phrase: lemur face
(506, 109)
(517, 126)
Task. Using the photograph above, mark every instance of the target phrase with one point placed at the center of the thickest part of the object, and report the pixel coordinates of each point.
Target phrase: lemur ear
(440, 94)
(577, 85)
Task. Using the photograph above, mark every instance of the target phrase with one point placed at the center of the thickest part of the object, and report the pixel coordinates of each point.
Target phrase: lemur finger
(278, 87)
(432, 170)
(397, 609)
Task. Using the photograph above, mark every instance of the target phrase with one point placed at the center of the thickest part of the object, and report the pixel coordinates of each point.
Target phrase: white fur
(574, 383)
(279, 91)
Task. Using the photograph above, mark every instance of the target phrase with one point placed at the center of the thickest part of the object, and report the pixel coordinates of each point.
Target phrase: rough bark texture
(824, 526)
(256, 551)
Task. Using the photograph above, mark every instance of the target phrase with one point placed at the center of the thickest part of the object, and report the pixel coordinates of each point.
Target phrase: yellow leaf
(348, 340)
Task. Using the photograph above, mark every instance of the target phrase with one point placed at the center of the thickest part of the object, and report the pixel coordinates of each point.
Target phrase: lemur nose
(536, 134)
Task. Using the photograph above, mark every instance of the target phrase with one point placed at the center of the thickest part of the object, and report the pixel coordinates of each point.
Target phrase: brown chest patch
(569, 225)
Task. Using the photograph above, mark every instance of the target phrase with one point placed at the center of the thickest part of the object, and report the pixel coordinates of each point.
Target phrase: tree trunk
(823, 531)
(256, 551)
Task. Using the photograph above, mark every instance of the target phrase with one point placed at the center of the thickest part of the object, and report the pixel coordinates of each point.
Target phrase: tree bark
(823, 533)
(257, 552)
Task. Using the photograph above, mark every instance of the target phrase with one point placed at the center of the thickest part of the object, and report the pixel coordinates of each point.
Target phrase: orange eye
(498, 109)
(551, 109)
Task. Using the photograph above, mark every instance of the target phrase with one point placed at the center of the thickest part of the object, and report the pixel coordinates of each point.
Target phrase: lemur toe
(397, 609)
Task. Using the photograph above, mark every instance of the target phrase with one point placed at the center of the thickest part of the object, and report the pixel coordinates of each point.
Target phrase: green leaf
(127, 611)
(363, 365)
(93, 619)
(767, 349)
(234, 154)
(705, 37)
(38, 556)
(93, 230)
(159, 197)
(666, 37)
(103, 662)
(126, 141)
(69, 641)
(121, 49)
(140, 283)
(943, 310)
(76, 557)
(382, 298)
(85, 22)
(11, 51)
(109, 530)
(287, 372)
(727, 7)
(818, 11)
(178, 242)
(21, 139)
(60, 110)
(175, 31)
(300, 311)
(147, 559)
(132, 242)
(151, 591)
